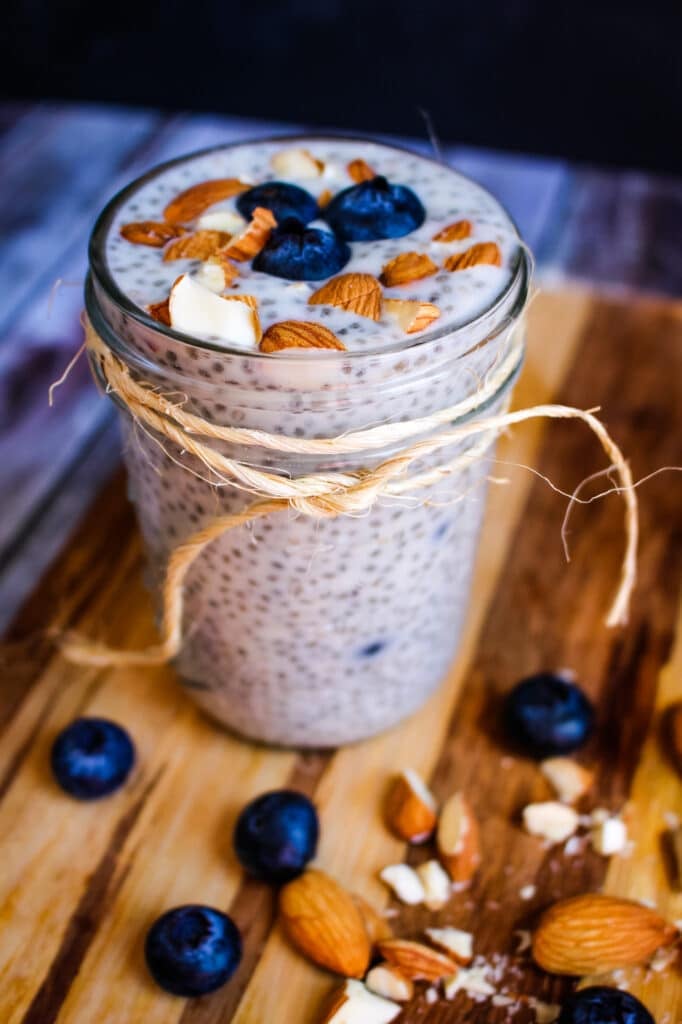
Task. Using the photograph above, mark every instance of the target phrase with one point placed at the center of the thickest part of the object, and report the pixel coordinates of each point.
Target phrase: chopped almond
(482, 252)
(253, 238)
(297, 163)
(407, 267)
(191, 203)
(405, 883)
(411, 316)
(550, 820)
(353, 1003)
(437, 884)
(387, 981)
(197, 310)
(457, 839)
(198, 246)
(454, 232)
(357, 293)
(299, 334)
(459, 944)
(150, 232)
(160, 311)
(410, 808)
(360, 171)
(325, 198)
(569, 779)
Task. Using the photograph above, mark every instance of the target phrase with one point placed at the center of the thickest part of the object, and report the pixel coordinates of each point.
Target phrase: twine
(324, 495)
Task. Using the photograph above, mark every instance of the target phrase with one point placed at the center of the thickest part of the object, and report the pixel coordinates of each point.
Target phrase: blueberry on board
(602, 1005)
(374, 209)
(92, 757)
(276, 835)
(547, 714)
(298, 253)
(283, 200)
(192, 950)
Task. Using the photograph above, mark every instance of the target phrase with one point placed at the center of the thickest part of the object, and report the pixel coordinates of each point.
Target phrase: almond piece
(376, 926)
(459, 944)
(471, 980)
(160, 311)
(198, 246)
(417, 961)
(191, 203)
(437, 884)
(210, 275)
(387, 981)
(197, 310)
(228, 268)
(355, 1004)
(299, 334)
(482, 252)
(410, 808)
(609, 835)
(325, 198)
(454, 232)
(357, 293)
(253, 238)
(297, 163)
(592, 934)
(222, 220)
(410, 315)
(407, 267)
(405, 883)
(322, 921)
(150, 232)
(550, 820)
(360, 171)
(568, 778)
(457, 839)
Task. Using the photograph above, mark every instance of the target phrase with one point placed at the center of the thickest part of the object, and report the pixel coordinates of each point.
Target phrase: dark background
(595, 81)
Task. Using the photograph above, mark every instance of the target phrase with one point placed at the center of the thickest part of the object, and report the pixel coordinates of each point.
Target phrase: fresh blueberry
(276, 835)
(547, 714)
(92, 757)
(299, 253)
(281, 199)
(602, 1005)
(374, 209)
(192, 950)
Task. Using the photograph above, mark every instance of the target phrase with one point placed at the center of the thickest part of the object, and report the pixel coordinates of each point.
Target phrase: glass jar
(300, 630)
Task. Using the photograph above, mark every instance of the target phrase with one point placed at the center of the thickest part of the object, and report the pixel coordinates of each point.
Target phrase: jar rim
(517, 288)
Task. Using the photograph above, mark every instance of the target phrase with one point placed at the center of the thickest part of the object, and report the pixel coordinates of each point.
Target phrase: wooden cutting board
(80, 884)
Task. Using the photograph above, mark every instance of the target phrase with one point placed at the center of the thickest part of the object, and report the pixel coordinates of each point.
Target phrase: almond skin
(160, 311)
(482, 252)
(198, 246)
(191, 203)
(150, 232)
(416, 961)
(410, 813)
(360, 171)
(299, 334)
(457, 840)
(454, 232)
(253, 238)
(357, 293)
(412, 316)
(592, 934)
(322, 921)
(407, 267)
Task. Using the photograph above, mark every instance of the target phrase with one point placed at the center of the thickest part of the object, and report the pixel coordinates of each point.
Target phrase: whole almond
(417, 961)
(410, 808)
(253, 238)
(150, 232)
(324, 923)
(298, 334)
(407, 267)
(454, 232)
(191, 203)
(482, 252)
(376, 926)
(360, 171)
(592, 934)
(198, 246)
(357, 293)
(457, 840)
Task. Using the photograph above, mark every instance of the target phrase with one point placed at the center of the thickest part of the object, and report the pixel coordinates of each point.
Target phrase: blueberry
(281, 199)
(547, 714)
(374, 209)
(92, 757)
(192, 950)
(602, 1005)
(276, 835)
(299, 253)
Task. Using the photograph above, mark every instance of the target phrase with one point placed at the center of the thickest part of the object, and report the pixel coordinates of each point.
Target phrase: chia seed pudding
(300, 630)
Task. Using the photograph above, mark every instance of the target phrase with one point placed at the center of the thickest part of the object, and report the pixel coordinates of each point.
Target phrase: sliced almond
(482, 252)
(322, 921)
(454, 232)
(357, 293)
(197, 310)
(405, 883)
(459, 944)
(457, 839)
(160, 311)
(198, 246)
(609, 835)
(297, 163)
(376, 926)
(472, 980)
(191, 203)
(592, 934)
(253, 238)
(353, 1003)
(550, 820)
(407, 267)
(325, 198)
(387, 981)
(411, 316)
(359, 170)
(568, 778)
(410, 808)
(437, 884)
(417, 961)
(222, 220)
(150, 232)
(299, 334)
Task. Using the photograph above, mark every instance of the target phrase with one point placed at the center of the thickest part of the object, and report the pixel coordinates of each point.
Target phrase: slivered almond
(357, 293)
(474, 256)
(297, 163)
(457, 840)
(454, 232)
(191, 203)
(458, 944)
(417, 961)
(407, 267)
(325, 198)
(376, 926)
(253, 238)
(299, 334)
(360, 171)
(160, 311)
(568, 778)
(411, 316)
(198, 246)
(410, 808)
(387, 981)
(592, 934)
(150, 232)
(353, 1003)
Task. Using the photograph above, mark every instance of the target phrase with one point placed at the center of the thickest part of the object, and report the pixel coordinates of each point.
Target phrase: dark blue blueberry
(602, 1005)
(374, 209)
(299, 253)
(372, 649)
(92, 757)
(547, 714)
(192, 950)
(282, 199)
(276, 835)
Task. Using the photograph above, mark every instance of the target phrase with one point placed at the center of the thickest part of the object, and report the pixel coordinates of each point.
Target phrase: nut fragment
(385, 980)
(457, 839)
(405, 883)
(324, 924)
(360, 171)
(222, 220)
(150, 232)
(568, 778)
(459, 944)
(437, 884)
(191, 203)
(198, 246)
(297, 163)
(376, 926)
(417, 961)
(592, 934)
(550, 820)
(325, 198)
(472, 980)
(228, 268)
(454, 232)
(482, 252)
(197, 310)
(211, 275)
(410, 808)
(355, 1004)
(298, 334)
(357, 293)
(407, 267)
(609, 834)
(160, 311)
(411, 316)
(253, 238)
